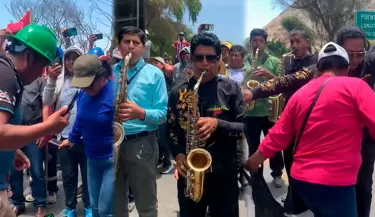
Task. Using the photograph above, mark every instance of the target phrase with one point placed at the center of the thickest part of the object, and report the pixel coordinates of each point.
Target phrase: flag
(24, 21)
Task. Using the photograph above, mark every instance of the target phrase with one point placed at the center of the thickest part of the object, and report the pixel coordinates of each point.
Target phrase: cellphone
(207, 27)
(71, 104)
(70, 32)
(99, 36)
(54, 142)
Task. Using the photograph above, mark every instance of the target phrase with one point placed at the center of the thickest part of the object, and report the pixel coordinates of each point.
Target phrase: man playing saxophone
(144, 110)
(217, 124)
(260, 67)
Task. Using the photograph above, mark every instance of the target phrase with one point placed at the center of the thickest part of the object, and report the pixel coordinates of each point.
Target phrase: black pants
(70, 159)
(163, 145)
(220, 195)
(52, 169)
(364, 181)
(253, 127)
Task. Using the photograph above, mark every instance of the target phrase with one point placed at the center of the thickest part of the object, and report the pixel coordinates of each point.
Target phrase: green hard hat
(39, 38)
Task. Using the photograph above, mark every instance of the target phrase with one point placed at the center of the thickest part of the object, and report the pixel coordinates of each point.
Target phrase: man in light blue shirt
(144, 111)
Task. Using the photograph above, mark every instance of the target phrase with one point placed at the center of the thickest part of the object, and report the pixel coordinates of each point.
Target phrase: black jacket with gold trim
(219, 98)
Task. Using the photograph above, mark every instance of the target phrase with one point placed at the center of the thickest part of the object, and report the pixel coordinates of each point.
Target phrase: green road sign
(366, 21)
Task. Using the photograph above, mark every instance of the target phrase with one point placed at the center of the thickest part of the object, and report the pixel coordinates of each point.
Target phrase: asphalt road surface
(168, 206)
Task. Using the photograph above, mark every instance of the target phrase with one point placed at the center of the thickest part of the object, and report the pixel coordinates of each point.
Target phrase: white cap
(116, 53)
(146, 32)
(339, 51)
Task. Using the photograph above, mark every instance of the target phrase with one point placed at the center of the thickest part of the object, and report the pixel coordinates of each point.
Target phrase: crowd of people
(57, 108)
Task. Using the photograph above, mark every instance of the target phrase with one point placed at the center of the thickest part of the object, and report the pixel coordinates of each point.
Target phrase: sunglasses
(358, 54)
(209, 58)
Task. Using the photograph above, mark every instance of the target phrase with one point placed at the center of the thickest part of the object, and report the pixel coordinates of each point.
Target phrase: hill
(277, 32)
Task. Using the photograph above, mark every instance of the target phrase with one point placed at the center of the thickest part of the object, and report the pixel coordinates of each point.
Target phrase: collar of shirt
(131, 71)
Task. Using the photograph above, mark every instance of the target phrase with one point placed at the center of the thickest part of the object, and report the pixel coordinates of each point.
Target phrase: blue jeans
(38, 187)
(100, 176)
(327, 201)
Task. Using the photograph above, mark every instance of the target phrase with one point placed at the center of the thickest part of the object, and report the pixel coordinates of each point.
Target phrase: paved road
(168, 206)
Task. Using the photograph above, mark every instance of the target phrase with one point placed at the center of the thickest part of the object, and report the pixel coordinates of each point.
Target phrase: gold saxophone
(198, 159)
(277, 102)
(118, 129)
(253, 83)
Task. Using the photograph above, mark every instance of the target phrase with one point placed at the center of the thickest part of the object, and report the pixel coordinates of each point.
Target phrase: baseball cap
(185, 49)
(86, 68)
(226, 44)
(333, 49)
(116, 53)
(159, 59)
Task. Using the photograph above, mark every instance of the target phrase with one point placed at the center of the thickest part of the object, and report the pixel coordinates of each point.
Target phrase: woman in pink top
(328, 156)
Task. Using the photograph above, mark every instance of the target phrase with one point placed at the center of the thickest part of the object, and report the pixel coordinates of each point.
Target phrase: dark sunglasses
(209, 58)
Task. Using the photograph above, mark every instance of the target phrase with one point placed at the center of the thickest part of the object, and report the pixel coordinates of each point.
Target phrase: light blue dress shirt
(148, 90)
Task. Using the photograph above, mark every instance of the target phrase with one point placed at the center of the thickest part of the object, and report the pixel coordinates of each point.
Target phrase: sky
(233, 20)
(7, 18)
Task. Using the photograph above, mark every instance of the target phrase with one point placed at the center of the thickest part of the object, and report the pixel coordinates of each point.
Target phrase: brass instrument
(276, 105)
(277, 102)
(118, 129)
(198, 159)
(253, 83)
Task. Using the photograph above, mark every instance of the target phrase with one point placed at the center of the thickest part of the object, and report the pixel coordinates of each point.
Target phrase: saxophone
(277, 102)
(253, 83)
(198, 159)
(118, 129)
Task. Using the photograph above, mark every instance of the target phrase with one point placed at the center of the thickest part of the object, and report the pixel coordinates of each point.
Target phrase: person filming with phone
(27, 53)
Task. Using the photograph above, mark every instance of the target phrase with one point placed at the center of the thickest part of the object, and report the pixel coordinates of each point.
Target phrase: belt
(138, 135)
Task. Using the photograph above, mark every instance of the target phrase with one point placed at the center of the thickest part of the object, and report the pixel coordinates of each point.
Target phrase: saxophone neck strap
(135, 74)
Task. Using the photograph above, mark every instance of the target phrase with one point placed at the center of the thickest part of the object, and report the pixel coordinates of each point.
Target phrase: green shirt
(272, 64)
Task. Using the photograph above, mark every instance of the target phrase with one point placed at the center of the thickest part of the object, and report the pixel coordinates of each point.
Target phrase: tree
(100, 11)
(331, 15)
(290, 23)
(163, 21)
(57, 15)
(277, 48)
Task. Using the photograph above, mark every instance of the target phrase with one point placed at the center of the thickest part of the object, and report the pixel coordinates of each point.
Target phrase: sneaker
(79, 192)
(51, 198)
(160, 164)
(88, 212)
(29, 198)
(131, 206)
(69, 213)
(278, 182)
(167, 169)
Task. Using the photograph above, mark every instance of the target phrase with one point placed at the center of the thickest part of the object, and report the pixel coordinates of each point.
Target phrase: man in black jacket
(220, 127)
